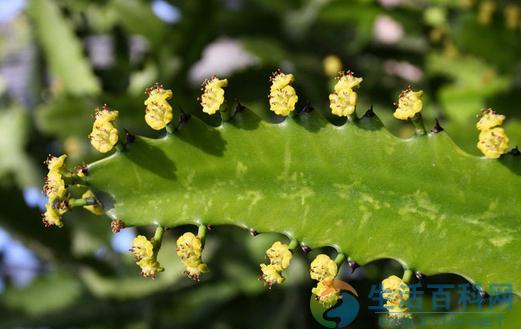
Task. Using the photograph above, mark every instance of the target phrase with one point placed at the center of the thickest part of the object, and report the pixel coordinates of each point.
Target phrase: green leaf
(14, 125)
(63, 50)
(45, 294)
(421, 201)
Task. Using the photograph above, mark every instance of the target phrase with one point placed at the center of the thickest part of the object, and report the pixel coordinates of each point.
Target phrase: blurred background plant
(59, 59)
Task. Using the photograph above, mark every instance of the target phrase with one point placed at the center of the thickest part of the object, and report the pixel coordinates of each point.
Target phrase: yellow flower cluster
(143, 251)
(213, 95)
(104, 134)
(54, 189)
(324, 270)
(282, 95)
(158, 112)
(493, 140)
(279, 256)
(409, 104)
(343, 99)
(189, 248)
(396, 293)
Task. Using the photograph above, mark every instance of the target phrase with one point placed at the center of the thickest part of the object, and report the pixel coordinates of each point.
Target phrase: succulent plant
(351, 185)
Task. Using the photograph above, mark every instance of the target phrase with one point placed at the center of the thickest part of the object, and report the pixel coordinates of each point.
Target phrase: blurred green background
(59, 59)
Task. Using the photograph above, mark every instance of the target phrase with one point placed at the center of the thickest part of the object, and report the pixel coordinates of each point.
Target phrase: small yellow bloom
(142, 248)
(343, 99)
(493, 142)
(323, 268)
(54, 186)
(332, 65)
(188, 246)
(512, 16)
(213, 96)
(56, 163)
(326, 293)
(271, 274)
(96, 209)
(394, 290)
(279, 255)
(282, 95)
(158, 112)
(104, 134)
(189, 249)
(409, 104)
(194, 272)
(149, 267)
(489, 119)
(397, 311)
(52, 215)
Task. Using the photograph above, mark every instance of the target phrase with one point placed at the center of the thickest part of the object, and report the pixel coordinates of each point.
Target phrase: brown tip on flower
(116, 225)
(193, 276)
(266, 283)
(404, 92)
(274, 74)
(484, 112)
(82, 168)
(44, 221)
(49, 159)
(156, 86)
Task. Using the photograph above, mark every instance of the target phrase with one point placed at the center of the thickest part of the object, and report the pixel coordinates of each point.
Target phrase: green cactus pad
(356, 187)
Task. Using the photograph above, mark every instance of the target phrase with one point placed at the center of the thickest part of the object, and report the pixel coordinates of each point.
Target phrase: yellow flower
(409, 104)
(194, 272)
(271, 274)
(188, 246)
(279, 255)
(394, 290)
(56, 163)
(489, 119)
(189, 249)
(326, 293)
(54, 185)
(343, 99)
(158, 112)
(493, 142)
(512, 15)
(282, 95)
(149, 267)
(332, 65)
(142, 248)
(323, 268)
(104, 134)
(96, 209)
(397, 311)
(213, 96)
(52, 216)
